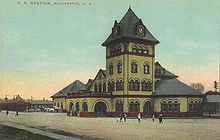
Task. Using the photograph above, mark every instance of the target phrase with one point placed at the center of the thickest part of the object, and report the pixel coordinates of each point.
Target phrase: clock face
(140, 30)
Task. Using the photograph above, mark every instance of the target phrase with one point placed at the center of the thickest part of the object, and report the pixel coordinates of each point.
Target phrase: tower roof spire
(128, 28)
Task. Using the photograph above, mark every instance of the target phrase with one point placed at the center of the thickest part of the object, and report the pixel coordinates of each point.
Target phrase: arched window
(136, 85)
(134, 68)
(131, 84)
(176, 106)
(170, 106)
(84, 107)
(114, 50)
(146, 69)
(164, 106)
(193, 107)
(111, 67)
(134, 49)
(119, 85)
(134, 106)
(119, 106)
(131, 107)
(145, 51)
(140, 50)
(77, 106)
(119, 67)
(71, 107)
(144, 86)
(104, 87)
(149, 86)
(100, 87)
(111, 86)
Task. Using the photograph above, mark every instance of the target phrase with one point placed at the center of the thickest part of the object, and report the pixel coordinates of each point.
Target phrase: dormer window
(115, 31)
(158, 71)
(100, 76)
(115, 50)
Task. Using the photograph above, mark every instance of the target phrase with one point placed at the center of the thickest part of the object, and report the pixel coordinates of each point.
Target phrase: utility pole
(218, 85)
(215, 86)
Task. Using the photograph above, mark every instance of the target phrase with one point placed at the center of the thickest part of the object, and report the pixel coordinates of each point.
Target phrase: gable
(99, 78)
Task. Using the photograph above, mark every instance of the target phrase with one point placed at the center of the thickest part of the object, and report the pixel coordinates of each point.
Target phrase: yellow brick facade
(128, 84)
(60, 102)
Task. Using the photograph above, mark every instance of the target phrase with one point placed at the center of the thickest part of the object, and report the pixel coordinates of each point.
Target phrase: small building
(16, 103)
(60, 98)
(39, 105)
(1, 103)
(212, 104)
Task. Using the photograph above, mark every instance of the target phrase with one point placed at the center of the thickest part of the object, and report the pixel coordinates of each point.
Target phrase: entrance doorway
(100, 109)
(147, 109)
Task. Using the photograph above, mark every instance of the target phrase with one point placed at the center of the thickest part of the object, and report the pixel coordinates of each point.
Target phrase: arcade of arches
(115, 107)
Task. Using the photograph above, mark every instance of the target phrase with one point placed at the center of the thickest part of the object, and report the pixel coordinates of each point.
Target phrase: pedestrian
(125, 117)
(16, 115)
(139, 117)
(7, 113)
(118, 118)
(153, 118)
(160, 118)
(121, 118)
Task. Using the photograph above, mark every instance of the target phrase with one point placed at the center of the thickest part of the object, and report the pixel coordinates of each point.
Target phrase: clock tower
(130, 62)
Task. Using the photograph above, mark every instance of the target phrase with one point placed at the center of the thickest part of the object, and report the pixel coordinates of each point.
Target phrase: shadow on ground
(10, 133)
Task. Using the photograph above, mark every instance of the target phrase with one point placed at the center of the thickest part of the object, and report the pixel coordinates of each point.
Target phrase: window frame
(134, 67)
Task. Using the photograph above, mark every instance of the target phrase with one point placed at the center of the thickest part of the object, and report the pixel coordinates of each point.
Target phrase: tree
(198, 86)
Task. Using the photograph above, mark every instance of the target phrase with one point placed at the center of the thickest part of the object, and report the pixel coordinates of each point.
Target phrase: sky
(43, 48)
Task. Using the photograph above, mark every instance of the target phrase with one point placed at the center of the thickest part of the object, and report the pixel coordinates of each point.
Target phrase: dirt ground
(108, 128)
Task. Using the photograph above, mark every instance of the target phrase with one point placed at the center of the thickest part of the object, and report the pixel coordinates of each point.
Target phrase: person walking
(121, 118)
(139, 117)
(16, 115)
(7, 113)
(153, 117)
(125, 117)
(160, 118)
(118, 118)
